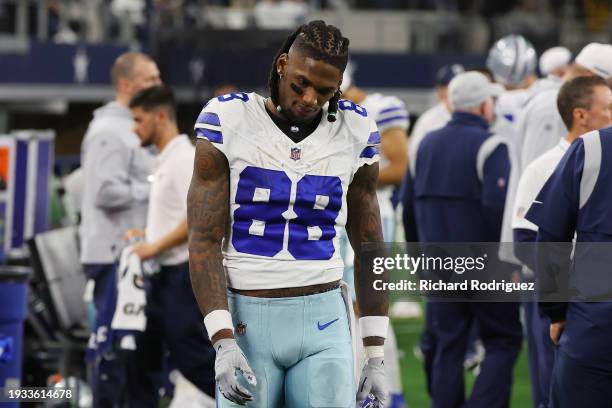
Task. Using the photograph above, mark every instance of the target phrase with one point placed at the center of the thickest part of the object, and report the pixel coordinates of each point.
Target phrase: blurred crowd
(133, 21)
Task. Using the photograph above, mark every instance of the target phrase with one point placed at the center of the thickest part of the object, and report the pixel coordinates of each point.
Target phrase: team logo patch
(241, 329)
(296, 153)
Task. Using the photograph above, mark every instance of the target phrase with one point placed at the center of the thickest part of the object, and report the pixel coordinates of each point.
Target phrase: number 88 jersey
(287, 200)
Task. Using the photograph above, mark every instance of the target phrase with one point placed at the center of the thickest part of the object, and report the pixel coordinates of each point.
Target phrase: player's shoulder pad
(355, 118)
(389, 111)
(346, 107)
(221, 114)
(389, 102)
(361, 127)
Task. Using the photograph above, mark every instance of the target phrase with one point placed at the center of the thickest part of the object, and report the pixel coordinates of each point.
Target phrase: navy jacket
(458, 191)
(578, 199)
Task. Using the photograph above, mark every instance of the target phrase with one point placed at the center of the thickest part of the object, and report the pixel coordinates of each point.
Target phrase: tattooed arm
(363, 226)
(207, 217)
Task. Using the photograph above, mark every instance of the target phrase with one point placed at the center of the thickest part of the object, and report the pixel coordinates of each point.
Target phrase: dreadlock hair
(319, 41)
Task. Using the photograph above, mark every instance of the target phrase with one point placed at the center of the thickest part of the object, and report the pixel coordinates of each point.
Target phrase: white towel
(131, 296)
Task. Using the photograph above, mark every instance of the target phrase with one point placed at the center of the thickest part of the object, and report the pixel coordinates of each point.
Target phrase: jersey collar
(564, 144)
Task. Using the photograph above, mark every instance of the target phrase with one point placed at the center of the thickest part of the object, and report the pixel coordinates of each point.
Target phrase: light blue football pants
(299, 349)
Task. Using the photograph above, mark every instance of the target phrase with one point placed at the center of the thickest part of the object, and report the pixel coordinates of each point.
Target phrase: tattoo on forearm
(207, 217)
(364, 226)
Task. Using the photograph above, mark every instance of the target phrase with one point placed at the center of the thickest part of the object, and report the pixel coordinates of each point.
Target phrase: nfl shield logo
(296, 153)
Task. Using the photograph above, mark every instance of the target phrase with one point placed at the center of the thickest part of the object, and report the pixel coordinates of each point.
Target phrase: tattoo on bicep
(207, 215)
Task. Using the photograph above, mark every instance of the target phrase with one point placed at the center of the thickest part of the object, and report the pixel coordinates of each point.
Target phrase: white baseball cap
(469, 89)
(554, 58)
(597, 58)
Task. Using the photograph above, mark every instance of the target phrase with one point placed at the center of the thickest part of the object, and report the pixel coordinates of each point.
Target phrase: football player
(275, 181)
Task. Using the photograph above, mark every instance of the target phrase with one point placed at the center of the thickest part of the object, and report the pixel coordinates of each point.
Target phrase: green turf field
(413, 378)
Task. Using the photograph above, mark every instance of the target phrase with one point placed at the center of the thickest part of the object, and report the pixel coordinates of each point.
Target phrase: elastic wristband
(374, 351)
(374, 326)
(218, 320)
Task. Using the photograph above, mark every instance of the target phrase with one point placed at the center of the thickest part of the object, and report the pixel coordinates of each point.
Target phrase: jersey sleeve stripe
(374, 138)
(401, 112)
(369, 152)
(213, 136)
(393, 109)
(393, 118)
(209, 118)
(206, 126)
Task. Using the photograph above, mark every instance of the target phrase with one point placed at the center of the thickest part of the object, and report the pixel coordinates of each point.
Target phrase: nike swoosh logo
(537, 202)
(324, 326)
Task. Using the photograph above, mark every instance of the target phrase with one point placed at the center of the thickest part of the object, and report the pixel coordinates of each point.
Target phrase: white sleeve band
(374, 351)
(218, 320)
(374, 326)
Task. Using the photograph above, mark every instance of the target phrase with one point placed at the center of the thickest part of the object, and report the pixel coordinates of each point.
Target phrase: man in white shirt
(172, 311)
(585, 104)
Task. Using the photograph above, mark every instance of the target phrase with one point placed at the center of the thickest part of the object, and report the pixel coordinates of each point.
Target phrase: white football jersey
(287, 200)
(507, 109)
(388, 112)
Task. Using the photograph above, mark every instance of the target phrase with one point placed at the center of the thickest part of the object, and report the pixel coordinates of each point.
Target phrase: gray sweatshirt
(116, 189)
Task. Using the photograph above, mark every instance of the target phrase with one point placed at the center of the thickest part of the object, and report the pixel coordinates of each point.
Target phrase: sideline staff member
(171, 305)
(585, 104)
(115, 195)
(576, 200)
(459, 190)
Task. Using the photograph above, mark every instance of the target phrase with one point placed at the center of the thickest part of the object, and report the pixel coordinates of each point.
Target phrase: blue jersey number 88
(264, 196)
(234, 95)
(351, 106)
